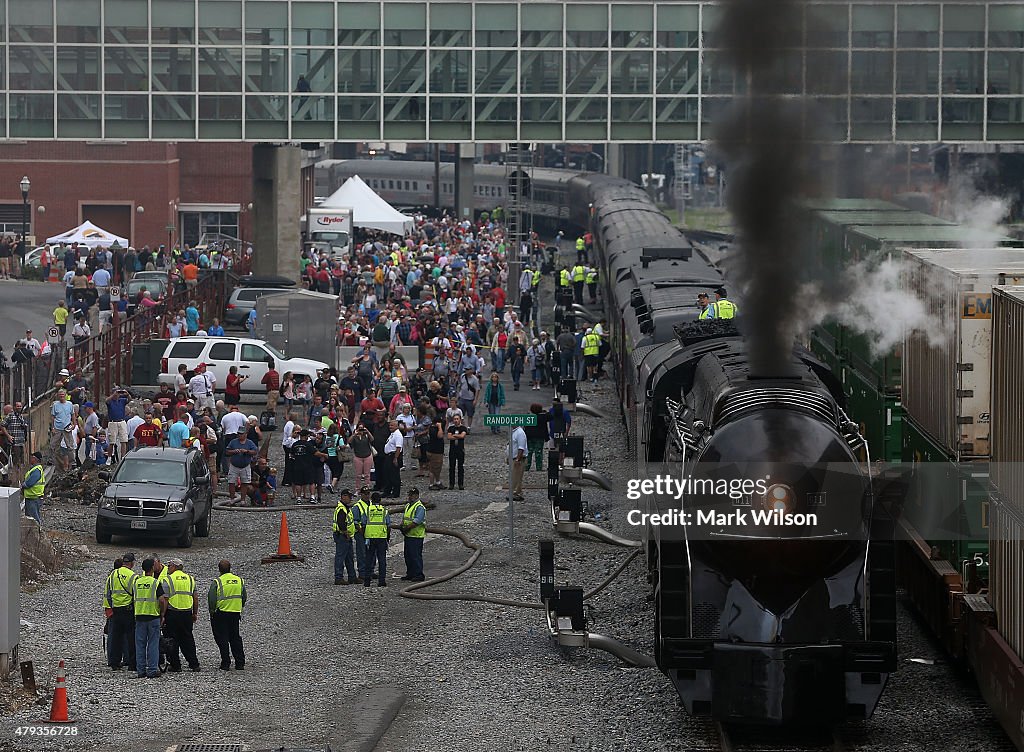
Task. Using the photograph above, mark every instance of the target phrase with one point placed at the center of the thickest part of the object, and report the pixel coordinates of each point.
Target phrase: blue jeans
(494, 409)
(33, 509)
(498, 361)
(376, 551)
(414, 558)
(360, 546)
(565, 360)
(147, 647)
(517, 373)
(343, 558)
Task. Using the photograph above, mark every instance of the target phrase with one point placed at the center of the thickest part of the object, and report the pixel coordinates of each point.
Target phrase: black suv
(157, 491)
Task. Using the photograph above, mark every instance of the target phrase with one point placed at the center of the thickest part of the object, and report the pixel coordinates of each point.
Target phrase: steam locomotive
(756, 623)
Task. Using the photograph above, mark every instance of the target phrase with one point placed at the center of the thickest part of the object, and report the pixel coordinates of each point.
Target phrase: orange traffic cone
(284, 545)
(59, 708)
(53, 274)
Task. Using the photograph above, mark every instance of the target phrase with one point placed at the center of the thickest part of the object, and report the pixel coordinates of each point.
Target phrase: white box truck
(329, 231)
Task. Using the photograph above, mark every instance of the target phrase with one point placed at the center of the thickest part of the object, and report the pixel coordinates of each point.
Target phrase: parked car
(220, 353)
(242, 301)
(157, 289)
(140, 276)
(157, 492)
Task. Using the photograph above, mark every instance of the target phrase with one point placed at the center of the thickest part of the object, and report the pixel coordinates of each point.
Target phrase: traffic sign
(53, 334)
(511, 420)
(115, 294)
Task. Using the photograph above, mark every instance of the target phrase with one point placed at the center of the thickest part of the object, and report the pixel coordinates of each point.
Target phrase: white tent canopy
(89, 235)
(368, 209)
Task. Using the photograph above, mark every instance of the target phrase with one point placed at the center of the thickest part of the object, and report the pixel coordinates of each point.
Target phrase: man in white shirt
(133, 422)
(289, 435)
(232, 421)
(201, 387)
(392, 481)
(33, 343)
(519, 452)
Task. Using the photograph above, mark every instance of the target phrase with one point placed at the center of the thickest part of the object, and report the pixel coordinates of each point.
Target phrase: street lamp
(26, 184)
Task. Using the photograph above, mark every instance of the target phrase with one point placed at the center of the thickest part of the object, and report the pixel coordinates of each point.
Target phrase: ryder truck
(329, 230)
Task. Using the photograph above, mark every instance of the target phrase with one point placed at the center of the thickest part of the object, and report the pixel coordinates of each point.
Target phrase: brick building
(133, 189)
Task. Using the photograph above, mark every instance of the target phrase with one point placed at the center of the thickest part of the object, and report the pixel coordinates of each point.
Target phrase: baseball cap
(128, 556)
(88, 404)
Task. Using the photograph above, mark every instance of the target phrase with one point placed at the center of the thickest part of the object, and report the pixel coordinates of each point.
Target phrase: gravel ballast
(363, 668)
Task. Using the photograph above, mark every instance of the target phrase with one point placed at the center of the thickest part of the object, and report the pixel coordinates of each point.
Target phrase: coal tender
(755, 623)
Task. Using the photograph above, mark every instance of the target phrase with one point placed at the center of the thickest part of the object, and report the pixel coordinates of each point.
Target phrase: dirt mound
(78, 486)
(40, 557)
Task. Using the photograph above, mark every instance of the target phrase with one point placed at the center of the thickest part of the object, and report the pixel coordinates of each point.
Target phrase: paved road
(26, 305)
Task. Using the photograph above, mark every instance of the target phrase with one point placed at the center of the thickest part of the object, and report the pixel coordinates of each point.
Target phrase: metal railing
(106, 357)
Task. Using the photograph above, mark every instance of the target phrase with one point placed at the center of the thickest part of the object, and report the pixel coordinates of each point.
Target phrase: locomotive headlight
(780, 498)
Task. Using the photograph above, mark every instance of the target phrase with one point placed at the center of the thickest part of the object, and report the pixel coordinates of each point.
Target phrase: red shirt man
(148, 434)
(499, 297)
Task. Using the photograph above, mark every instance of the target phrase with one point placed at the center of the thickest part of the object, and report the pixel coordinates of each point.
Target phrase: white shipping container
(1007, 467)
(1006, 572)
(946, 387)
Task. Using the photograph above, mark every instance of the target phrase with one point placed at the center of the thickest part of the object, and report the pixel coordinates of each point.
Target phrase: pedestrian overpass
(484, 71)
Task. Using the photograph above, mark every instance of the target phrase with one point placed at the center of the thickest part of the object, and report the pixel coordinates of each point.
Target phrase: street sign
(510, 421)
(169, 228)
(115, 294)
(53, 335)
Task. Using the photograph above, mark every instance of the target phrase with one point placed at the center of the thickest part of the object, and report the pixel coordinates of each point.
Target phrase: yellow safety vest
(580, 244)
(181, 591)
(364, 512)
(229, 593)
(591, 277)
(376, 526)
(725, 309)
(705, 313)
(591, 344)
(36, 491)
(118, 593)
(416, 531)
(350, 525)
(144, 592)
(536, 278)
(578, 273)
(564, 279)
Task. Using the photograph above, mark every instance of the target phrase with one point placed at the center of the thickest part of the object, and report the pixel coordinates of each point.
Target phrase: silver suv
(243, 300)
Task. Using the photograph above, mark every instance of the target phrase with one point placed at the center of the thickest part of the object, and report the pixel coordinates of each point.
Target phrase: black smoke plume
(770, 139)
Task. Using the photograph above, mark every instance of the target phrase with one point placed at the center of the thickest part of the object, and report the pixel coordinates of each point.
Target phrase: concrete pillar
(276, 199)
(613, 162)
(464, 182)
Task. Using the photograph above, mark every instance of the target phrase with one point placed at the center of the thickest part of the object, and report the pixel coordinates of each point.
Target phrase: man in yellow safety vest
(226, 599)
(592, 284)
(120, 613)
(706, 311)
(724, 309)
(344, 531)
(414, 528)
(591, 348)
(377, 531)
(182, 613)
(150, 605)
(579, 276)
(33, 488)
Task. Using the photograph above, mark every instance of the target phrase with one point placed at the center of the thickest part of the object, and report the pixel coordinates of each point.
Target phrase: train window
(500, 191)
(406, 185)
(415, 185)
(391, 185)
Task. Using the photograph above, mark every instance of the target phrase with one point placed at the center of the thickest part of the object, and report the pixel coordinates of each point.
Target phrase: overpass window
(405, 24)
(266, 23)
(220, 21)
(496, 25)
(173, 22)
(30, 20)
(312, 23)
(451, 24)
(632, 25)
(358, 24)
(678, 26)
(127, 22)
(542, 26)
(586, 25)
(963, 25)
(78, 21)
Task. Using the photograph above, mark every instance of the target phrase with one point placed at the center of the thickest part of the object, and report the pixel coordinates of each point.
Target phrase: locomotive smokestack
(768, 141)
